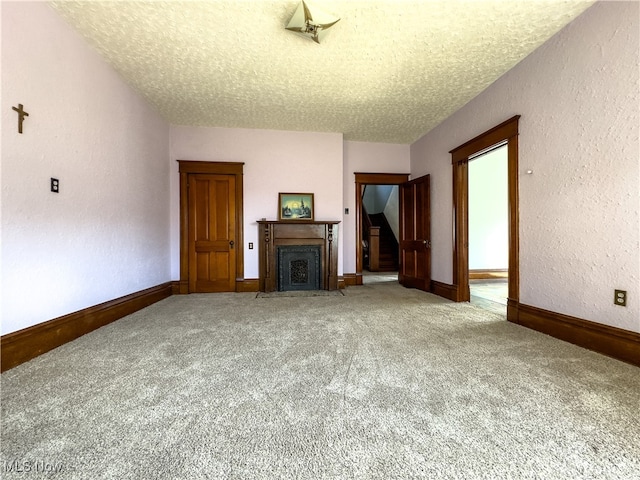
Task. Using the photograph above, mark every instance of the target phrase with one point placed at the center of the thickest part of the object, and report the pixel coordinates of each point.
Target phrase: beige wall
(578, 95)
(275, 161)
(106, 233)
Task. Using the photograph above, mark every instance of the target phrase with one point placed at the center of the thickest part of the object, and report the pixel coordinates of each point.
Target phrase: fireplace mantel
(298, 232)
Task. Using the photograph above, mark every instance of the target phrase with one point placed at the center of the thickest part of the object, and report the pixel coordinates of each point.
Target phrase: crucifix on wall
(21, 115)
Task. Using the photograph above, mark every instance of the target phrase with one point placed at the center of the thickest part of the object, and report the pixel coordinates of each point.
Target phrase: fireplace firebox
(298, 267)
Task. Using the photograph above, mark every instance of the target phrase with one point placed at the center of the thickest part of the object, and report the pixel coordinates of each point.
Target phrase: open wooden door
(414, 269)
(212, 249)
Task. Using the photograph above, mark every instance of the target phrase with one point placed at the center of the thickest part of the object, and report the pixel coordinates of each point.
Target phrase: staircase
(388, 245)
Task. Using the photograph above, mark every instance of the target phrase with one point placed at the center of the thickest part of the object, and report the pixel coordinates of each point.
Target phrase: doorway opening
(504, 134)
(364, 181)
(381, 222)
(489, 228)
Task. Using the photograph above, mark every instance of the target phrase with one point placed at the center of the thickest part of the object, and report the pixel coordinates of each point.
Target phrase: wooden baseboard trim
(247, 285)
(180, 287)
(614, 342)
(26, 344)
(351, 279)
(512, 310)
(488, 274)
(445, 290)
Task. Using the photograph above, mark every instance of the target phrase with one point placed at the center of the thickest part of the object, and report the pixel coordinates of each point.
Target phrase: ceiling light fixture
(311, 26)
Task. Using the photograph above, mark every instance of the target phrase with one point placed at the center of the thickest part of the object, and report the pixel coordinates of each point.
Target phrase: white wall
(392, 211)
(365, 157)
(578, 95)
(375, 198)
(106, 234)
(489, 211)
(275, 161)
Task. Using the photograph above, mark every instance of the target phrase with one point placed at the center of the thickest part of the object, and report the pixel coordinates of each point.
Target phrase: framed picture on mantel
(295, 206)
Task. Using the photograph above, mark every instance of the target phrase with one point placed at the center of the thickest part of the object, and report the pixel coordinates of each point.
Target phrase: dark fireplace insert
(298, 267)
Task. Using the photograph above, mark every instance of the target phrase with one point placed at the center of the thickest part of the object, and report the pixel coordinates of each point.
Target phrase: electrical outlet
(250, 245)
(346, 211)
(55, 185)
(620, 298)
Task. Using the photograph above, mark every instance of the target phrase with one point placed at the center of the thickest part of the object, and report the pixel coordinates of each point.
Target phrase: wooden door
(414, 270)
(212, 248)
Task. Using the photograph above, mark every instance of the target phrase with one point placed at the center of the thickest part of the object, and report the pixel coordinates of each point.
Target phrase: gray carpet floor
(382, 383)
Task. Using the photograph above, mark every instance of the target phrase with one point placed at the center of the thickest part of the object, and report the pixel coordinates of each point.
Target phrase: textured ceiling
(389, 71)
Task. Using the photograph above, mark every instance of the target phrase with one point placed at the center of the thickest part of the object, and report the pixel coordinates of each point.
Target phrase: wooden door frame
(506, 131)
(363, 179)
(186, 168)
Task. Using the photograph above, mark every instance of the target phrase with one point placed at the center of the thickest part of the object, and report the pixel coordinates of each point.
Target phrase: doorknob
(231, 244)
